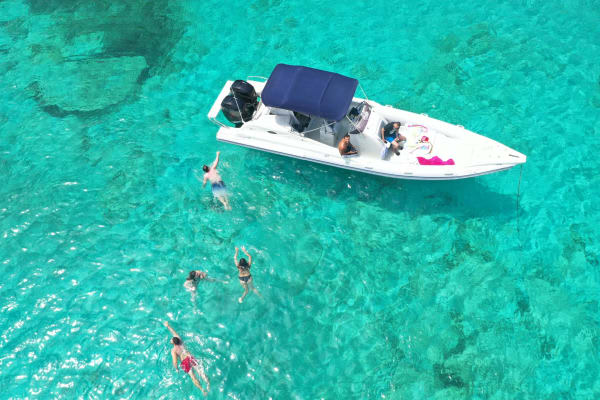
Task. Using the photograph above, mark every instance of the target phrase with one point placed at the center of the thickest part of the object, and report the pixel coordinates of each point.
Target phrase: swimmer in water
(244, 275)
(217, 185)
(191, 282)
(195, 276)
(188, 363)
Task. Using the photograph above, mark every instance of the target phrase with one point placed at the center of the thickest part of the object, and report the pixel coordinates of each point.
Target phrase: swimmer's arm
(197, 177)
(235, 256)
(216, 162)
(248, 255)
(202, 275)
(170, 328)
(174, 358)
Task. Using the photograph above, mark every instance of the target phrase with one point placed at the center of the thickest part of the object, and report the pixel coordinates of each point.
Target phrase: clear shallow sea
(373, 288)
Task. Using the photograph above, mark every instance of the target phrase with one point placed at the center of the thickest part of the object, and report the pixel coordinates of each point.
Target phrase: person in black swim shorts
(390, 133)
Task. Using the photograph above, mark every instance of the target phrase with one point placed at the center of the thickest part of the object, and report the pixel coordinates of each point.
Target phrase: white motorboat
(303, 113)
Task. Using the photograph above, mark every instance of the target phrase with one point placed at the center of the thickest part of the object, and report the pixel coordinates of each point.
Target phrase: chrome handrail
(217, 122)
(256, 76)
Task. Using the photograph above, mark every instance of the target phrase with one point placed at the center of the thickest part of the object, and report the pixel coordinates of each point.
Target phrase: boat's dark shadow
(460, 198)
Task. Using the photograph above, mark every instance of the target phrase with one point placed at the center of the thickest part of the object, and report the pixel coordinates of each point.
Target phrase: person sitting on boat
(390, 133)
(188, 363)
(345, 147)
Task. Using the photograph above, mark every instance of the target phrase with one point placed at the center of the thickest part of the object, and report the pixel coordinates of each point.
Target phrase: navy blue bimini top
(309, 91)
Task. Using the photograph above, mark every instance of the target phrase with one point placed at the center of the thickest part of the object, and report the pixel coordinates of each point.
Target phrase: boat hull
(389, 174)
(459, 153)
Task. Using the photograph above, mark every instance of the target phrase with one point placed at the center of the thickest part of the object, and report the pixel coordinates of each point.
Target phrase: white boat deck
(271, 130)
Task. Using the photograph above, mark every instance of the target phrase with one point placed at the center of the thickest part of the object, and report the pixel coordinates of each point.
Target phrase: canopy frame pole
(352, 123)
(362, 90)
(320, 126)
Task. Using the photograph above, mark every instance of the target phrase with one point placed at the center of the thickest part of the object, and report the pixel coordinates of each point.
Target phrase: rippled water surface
(372, 288)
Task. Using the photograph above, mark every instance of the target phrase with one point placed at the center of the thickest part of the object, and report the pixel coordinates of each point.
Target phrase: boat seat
(360, 121)
(382, 124)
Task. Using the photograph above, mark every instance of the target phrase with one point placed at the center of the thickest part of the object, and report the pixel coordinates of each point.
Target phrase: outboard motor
(240, 105)
(244, 90)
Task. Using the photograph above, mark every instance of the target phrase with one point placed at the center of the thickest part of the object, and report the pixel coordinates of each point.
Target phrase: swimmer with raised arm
(244, 275)
(217, 185)
(188, 362)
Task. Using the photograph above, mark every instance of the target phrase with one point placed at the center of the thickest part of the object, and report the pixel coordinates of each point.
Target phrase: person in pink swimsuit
(188, 362)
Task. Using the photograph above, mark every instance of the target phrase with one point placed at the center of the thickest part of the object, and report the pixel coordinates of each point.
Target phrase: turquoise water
(372, 288)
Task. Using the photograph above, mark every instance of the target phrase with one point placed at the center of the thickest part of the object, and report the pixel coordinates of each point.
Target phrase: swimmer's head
(205, 168)
(191, 276)
(243, 263)
(176, 341)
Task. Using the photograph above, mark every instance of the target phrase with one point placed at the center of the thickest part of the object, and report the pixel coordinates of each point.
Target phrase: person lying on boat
(389, 133)
(218, 187)
(345, 147)
(188, 363)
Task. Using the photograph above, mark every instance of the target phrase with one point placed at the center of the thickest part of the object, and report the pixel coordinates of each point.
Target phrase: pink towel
(435, 160)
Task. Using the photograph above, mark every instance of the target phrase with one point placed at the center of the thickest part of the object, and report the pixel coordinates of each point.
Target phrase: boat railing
(217, 122)
(256, 76)
(216, 107)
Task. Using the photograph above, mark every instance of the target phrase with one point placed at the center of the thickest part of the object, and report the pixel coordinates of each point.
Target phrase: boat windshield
(359, 117)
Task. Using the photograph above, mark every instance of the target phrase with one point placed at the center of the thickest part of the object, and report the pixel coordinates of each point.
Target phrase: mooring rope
(518, 196)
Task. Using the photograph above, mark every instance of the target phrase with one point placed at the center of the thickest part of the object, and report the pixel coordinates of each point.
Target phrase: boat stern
(216, 107)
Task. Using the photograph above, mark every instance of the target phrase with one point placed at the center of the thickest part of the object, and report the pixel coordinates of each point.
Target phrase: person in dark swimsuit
(390, 133)
(188, 363)
(244, 275)
(345, 147)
